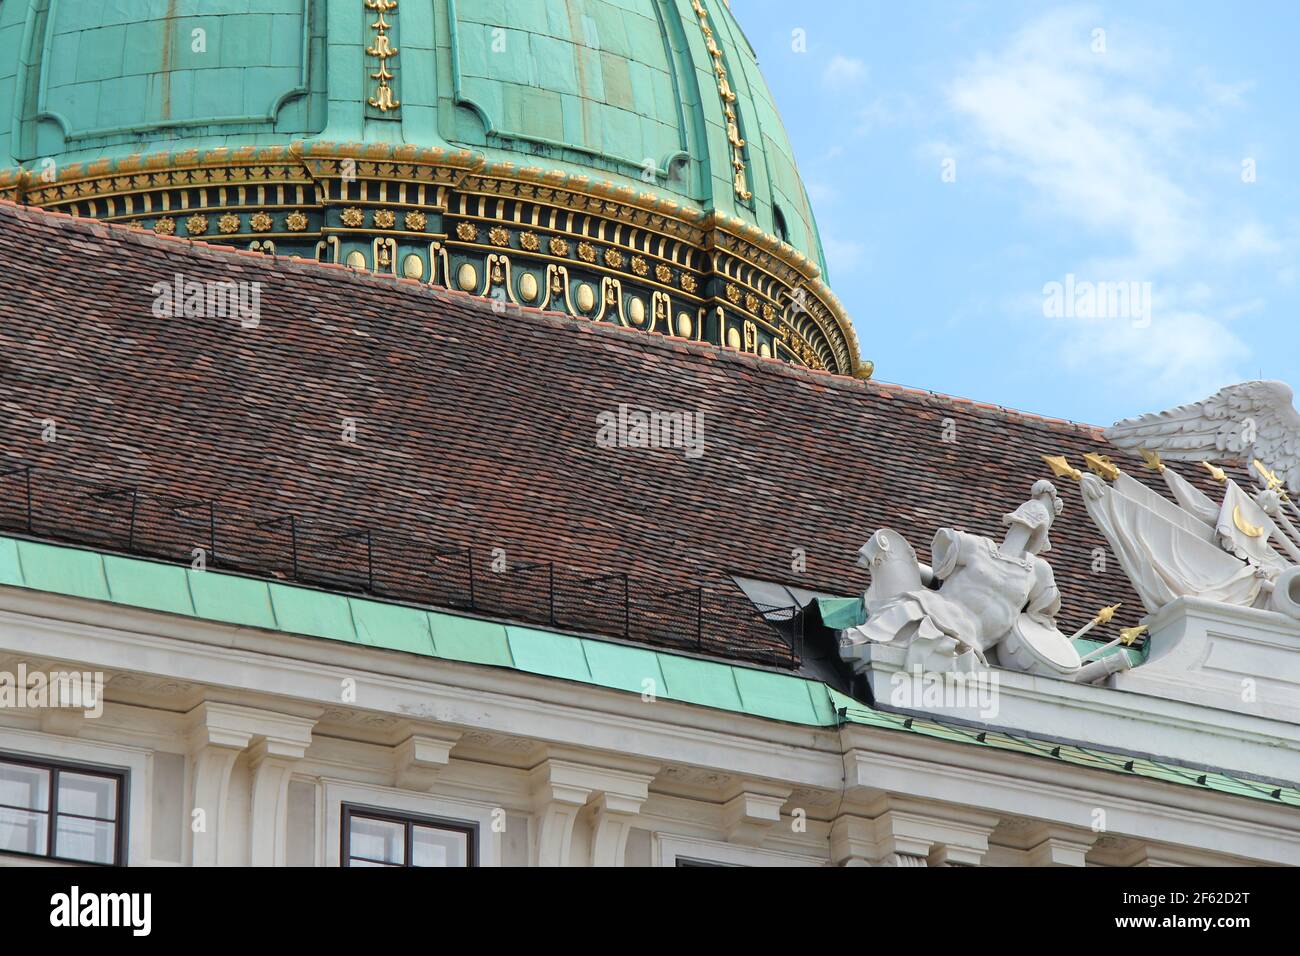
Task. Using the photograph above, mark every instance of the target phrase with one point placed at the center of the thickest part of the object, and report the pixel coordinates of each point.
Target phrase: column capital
(1057, 846)
(911, 833)
(565, 782)
(218, 724)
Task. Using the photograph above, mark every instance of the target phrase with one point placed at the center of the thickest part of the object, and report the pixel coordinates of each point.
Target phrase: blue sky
(1119, 156)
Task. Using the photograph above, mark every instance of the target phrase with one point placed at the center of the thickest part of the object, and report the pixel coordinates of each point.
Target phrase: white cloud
(1094, 153)
(843, 72)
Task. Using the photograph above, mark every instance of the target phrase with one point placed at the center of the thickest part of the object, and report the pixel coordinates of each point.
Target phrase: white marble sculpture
(1246, 421)
(986, 602)
(1242, 550)
(1222, 553)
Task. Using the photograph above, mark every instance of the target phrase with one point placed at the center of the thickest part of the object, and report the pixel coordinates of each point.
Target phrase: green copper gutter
(268, 605)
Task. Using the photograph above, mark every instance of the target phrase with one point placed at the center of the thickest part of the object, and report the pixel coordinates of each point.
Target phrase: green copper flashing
(248, 602)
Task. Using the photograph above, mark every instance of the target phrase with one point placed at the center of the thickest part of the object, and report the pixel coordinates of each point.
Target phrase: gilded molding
(382, 50)
(599, 228)
(740, 179)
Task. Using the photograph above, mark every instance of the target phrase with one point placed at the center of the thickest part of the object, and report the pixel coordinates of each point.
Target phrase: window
(378, 838)
(778, 220)
(60, 812)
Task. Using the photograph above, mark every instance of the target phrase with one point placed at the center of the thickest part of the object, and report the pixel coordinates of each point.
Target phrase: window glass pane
(22, 832)
(379, 840)
(89, 840)
(88, 796)
(433, 847)
(24, 786)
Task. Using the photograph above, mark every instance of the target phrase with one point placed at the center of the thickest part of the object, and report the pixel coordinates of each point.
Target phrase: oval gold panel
(684, 325)
(733, 338)
(467, 277)
(528, 287)
(765, 350)
(636, 311)
(356, 260)
(586, 297)
(413, 267)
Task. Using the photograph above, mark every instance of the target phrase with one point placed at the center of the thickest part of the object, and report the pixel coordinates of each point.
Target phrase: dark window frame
(54, 768)
(780, 225)
(409, 821)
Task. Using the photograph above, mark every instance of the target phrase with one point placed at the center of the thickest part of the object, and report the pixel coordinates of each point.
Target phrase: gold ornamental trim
(383, 50)
(229, 186)
(740, 177)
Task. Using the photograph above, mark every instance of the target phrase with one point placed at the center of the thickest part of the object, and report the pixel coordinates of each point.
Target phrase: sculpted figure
(979, 593)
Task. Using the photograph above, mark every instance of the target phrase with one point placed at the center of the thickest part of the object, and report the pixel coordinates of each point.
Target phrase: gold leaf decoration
(529, 241)
(416, 221)
(467, 232)
(352, 216)
(614, 258)
(688, 282)
(260, 222)
(640, 266)
(586, 252)
(228, 223)
(385, 219)
(166, 226)
(296, 221)
(733, 294)
(663, 273)
(382, 50)
(558, 246)
(196, 225)
(751, 302)
(499, 236)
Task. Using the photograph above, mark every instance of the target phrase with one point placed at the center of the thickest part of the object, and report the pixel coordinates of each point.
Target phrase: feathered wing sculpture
(1250, 420)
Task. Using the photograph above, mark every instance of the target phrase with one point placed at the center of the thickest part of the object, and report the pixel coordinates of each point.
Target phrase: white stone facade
(249, 727)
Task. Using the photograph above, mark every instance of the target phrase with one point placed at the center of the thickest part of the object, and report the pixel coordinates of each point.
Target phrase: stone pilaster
(607, 797)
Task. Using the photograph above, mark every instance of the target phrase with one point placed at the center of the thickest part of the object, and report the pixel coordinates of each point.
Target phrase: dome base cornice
(521, 234)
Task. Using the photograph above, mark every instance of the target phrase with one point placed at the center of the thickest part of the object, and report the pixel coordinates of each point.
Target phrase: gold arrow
(1101, 465)
(1151, 460)
(1127, 635)
(1062, 468)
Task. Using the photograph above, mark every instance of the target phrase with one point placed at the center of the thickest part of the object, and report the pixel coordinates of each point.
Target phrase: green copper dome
(661, 100)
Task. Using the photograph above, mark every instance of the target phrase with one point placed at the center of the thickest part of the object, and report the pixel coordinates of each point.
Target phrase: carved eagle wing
(1250, 420)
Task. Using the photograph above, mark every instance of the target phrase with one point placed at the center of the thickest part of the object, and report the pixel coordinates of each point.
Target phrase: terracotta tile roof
(477, 427)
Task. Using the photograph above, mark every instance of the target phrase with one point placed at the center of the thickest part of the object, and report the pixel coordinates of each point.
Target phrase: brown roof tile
(478, 427)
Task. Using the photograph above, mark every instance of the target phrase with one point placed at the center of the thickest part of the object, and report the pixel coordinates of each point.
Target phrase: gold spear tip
(1216, 473)
(1151, 460)
(1270, 477)
(1101, 465)
(1106, 613)
(1127, 635)
(1062, 468)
